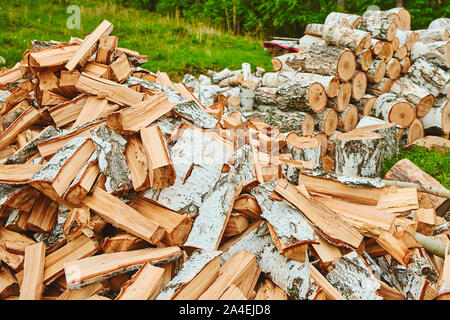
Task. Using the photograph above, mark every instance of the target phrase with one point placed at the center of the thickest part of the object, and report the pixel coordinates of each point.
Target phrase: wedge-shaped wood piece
(144, 285)
(177, 226)
(389, 293)
(8, 283)
(123, 242)
(135, 58)
(394, 199)
(335, 188)
(92, 110)
(17, 221)
(199, 271)
(426, 219)
(140, 115)
(23, 122)
(57, 174)
(18, 173)
(17, 247)
(89, 45)
(83, 182)
(108, 89)
(17, 196)
(13, 260)
(368, 220)
(123, 216)
(247, 205)
(111, 159)
(53, 56)
(234, 271)
(395, 248)
(214, 213)
(96, 70)
(43, 215)
(50, 146)
(332, 226)
(160, 168)
(319, 279)
(83, 272)
(120, 68)
(8, 76)
(79, 248)
(81, 294)
(105, 50)
(67, 82)
(236, 225)
(270, 291)
(33, 268)
(138, 163)
(325, 251)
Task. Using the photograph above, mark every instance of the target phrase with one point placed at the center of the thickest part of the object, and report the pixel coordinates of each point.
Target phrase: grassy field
(172, 45)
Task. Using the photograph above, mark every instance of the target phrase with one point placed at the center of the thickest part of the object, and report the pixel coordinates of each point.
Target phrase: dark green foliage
(436, 164)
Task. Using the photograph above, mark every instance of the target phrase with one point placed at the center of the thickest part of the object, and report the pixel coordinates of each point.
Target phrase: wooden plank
(32, 285)
(332, 226)
(89, 45)
(98, 268)
(144, 285)
(160, 168)
(79, 248)
(177, 226)
(123, 216)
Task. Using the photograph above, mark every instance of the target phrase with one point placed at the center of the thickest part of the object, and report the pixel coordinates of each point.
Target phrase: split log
(81, 294)
(96, 70)
(345, 19)
(177, 226)
(89, 45)
(144, 285)
(18, 173)
(53, 56)
(331, 226)
(134, 57)
(137, 162)
(236, 225)
(23, 122)
(395, 248)
(366, 162)
(120, 69)
(43, 215)
(196, 275)
(393, 69)
(348, 119)
(123, 242)
(414, 132)
(436, 52)
(326, 121)
(17, 221)
(415, 94)
(407, 171)
(343, 98)
(365, 104)
(33, 277)
(8, 283)
(342, 36)
(105, 51)
(380, 29)
(364, 59)
(302, 96)
(247, 95)
(67, 112)
(213, 214)
(305, 149)
(376, 71)
(395, 109)
(437, 120)
(89, 270)
(123, 216)
(111, 159)
(247, 205)
(270, 291)
(359, 85)
(426, 221)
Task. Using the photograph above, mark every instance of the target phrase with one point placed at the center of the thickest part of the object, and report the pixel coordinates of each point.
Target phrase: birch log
(247, 95)
(343, 98)
(326, 121)
(437, 120)
(432, 35)
(414, 94)
(382, 15)
(393, 69)
(359, 85)
(342, 36)
(266, 96)
(395, 109)
(429, 76)
(348, 119)
(364, 59)
(405, 64)
(437, 52)
(376, 71)
(377, 89)
(405, 17)
(380, 29)
(386, 52)
(345, 19)
(305, 42)
(413, 132)
(301, 95)
(365, 104)
(440, 23)
(329, 83)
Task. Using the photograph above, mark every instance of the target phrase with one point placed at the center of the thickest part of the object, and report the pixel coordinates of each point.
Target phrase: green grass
(436, 164)
(172, 45)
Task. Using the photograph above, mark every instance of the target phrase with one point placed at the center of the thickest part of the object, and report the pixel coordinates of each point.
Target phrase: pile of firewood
(116, 183)
(346, 70)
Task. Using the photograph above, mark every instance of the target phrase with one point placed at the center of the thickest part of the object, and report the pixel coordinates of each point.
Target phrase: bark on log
(377, 89)
(376, 71)
(440, 23)
(380, 29)
(364, 59)
(296, 121)
(432, 35)
(348, 119)
(405, 18)
(386, 52)
(382, 15)
(342, 36)
(429, 76)
(393, 69)
(393, 108)
(266, 96)
(330, 83)
(376, 45)
(303, 96)
(343, 98)
(365, 104)
(414, 94)
(437, 52)
(314, 29)
(288, 62)
(413, 132)
(359, 85)
(275, 79)
(437, 120)
(326, 121)
(345, 19)
(305, 42)
(405, 64)
(247, 95)
(406, 38)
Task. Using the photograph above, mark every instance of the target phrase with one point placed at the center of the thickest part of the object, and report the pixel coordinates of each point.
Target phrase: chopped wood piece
(177, 226)
(160, 168)
(79, 248)
(106, 48)
(23, 122)
(83, 272)
(81, 294)
(144, 285)
(93, 109)
(67, 112)
(236, 225)
(270, 291)
(43, 215)
(17, 247)
(120, 69)
(344, 19)
(334, 228)
(96, 70)
(233, 293)
(393, 199)
(33, 268)
(330, 291)
(247, 205)
(123, 242)
(196, 275)
(8, 283)
(426, 219)
(394, 247)
(18, 173)
(325, 251)
(138, 163)
(389, 293)
(89, 45)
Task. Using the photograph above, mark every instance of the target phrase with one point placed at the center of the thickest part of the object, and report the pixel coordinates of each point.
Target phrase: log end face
(403, 114)
(346, 65)
(317, 97)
